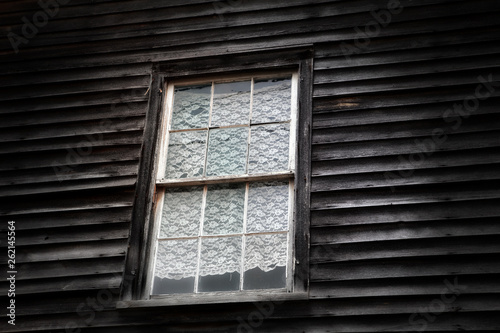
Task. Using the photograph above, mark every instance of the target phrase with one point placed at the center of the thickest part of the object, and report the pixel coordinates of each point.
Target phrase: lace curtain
(225, 149)
(191, 107)
(265, 252)
(215, 229)
(186, 154)
(178, 259)
(224, 209)
(267, 204)
(181, 212)
(271, 101)
(231, 104)
(267, 207)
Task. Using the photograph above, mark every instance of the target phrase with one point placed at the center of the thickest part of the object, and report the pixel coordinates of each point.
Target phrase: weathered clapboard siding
(202, 16)
(383, 245)
(70, 146)
(335, 28)
(398, 323)
(436, 219)
(88, 283)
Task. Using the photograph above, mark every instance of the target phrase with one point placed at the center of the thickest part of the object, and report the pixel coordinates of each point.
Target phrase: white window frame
(162, 183)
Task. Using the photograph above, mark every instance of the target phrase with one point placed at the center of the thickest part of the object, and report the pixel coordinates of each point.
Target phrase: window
(148, 231)
(224, 216)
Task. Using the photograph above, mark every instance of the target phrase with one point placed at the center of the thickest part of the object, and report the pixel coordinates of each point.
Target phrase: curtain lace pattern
(220, 255)
(267, 207)
(224, 209)
(265, 252)
(191, 107)
(177, 259)
(229, 97)
(217, 229)
(269, 148)
(271, 101)
(186, 154)
(181, 212)
(227, 151)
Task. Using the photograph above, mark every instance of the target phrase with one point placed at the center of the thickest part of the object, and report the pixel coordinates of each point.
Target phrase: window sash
(167, 121)
(162, 182)
(244, 234)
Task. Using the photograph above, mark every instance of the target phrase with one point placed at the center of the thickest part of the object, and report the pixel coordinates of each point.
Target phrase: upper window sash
(167, 130)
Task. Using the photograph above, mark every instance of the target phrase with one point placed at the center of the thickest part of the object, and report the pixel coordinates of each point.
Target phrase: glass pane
(269, 148)
(186, 154)
(175, 269)
(191, 107)
(224, 209)
(271, 100)
(265, 261)
(181, 214)
(231, 104)
(227, 151)
(267, 207)
(220, 264)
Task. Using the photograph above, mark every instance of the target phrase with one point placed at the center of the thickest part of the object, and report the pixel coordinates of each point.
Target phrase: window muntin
(218, 234)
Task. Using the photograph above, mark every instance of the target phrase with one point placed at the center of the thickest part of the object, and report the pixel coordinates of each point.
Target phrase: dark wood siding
(397, 214)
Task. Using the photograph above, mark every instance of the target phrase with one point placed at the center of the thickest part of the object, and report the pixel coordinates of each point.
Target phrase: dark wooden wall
(386, 234)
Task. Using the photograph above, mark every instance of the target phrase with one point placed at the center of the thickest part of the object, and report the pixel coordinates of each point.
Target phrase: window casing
(139, 264)
(219, 174)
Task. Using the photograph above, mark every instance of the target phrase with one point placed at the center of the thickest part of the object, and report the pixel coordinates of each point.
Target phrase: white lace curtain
(232, 215)
(267, 211)
(178, 259)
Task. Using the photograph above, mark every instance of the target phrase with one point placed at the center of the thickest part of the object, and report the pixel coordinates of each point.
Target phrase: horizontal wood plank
(404, 146)
(406, 213)
(56, 285)
(61, 252)
(79, 233)
(61, 160)
(432, 285)
(336, 119)
(77, 172)
(95, 216)
(405, 230)
(58, 116)
(394, 179)
(436, 129)
(351, 252)
(41, 270)
(401, 165)
(407, 267)
(405, 195)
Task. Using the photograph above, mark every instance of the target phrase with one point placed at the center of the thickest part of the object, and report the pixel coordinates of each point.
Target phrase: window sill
(213, 298)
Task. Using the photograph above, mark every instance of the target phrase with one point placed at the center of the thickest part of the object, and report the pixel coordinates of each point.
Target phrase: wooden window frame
(134, 290)
(162, 182)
